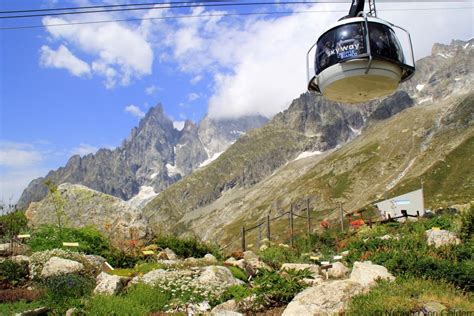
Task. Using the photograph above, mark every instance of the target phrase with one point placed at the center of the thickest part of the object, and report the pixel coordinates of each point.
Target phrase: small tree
(58, 202)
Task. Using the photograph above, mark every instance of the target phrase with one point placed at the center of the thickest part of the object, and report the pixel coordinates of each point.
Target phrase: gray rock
(71, 311)
(439, 238)
(33, 312)
(21, 258)
(433, 308)
(210, 258)
(225, 308)
(338, 270)
(170, 254)
(198, 308)
(150, 278)
(109, 284)
(57, 266)
(217, 276)
(235, 263)
(366, 273)
(327, 298)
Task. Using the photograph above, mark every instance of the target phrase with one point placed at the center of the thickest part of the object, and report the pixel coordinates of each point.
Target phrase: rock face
(366, 273)
(57, 266)
(154, 155)
(439, 238)
(327, 298)
(83, 207)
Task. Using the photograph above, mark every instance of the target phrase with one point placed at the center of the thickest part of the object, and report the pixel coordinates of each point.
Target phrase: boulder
(250, 255)
(212, 276)
(433, 308)
(441, 237)
(225, 308)
(315, 281)
(338, 270)
(150, 278)
(235, 263)
(191, 261)
(109, 284)
(366, 273)
(96, 261)
(327, 298)
(57, 266)
(170, 254)
(313, 268)
(210, 258)
(198, 308)
(21, 258)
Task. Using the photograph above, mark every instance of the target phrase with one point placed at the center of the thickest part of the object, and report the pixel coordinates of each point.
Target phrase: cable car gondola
(360, 58)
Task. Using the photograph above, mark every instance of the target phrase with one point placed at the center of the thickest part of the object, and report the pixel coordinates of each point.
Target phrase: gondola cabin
(360, 59)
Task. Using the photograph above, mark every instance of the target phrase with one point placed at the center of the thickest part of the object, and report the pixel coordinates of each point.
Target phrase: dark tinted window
(348, 42)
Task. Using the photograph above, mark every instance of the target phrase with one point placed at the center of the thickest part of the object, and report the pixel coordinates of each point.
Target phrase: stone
(57, 266)
(170, 254)
(338, 270)
(226, 307)
(217, 276)
(198, 308)
(235, 263)
(327, 298)
(313, 268)
(313, 282)
(95, 260)
(109, 284)
(366, 273)
(33, 312)
(227, 313)
(250, 255)
(433, 308)
(150, 278)
(71, 311)
(191, 261)
(441, 237)
(345, 253)
(210, 258)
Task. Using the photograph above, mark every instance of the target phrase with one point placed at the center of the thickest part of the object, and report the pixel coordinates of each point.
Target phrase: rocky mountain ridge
(154, 155)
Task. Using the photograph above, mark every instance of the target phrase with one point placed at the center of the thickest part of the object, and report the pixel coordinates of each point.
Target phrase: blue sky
(73, 89)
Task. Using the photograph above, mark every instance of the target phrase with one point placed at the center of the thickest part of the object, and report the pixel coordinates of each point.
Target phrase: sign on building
(411, 202)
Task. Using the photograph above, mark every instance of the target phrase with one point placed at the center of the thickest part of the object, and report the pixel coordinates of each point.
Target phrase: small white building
(412, 202)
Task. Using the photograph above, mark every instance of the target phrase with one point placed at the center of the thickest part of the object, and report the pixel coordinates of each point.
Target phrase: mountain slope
(154, 155)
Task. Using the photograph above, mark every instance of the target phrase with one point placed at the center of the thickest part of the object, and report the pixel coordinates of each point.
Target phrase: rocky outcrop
(82, 207)
(325, 299)
(366, 273)
(213, 276)
(338, 270)
(440, 237)
(57, 266)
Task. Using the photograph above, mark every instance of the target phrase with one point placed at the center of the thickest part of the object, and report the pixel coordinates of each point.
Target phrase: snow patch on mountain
(145, 195)
(208, 161)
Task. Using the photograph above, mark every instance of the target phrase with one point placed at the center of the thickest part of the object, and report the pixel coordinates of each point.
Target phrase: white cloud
(84, 149)
(14, 181)
(193, 97)
(63, 58)
(18, 155)
(134, 110)
(151, 90)
(195, 79)
(120, 51)
(179, 125)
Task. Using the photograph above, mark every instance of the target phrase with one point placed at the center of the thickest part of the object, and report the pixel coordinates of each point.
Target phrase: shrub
(65, 286)
(187, 247)
(120, 259)
(13, 273)
(274, 289)
(12, 224)
(274, 256)
(235, 292)
(406, 296)
(466, 231)
(238, 273)
(90, 240)
(19, 294)
(115, 306)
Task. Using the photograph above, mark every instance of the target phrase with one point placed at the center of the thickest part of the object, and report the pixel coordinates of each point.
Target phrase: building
(411, 202)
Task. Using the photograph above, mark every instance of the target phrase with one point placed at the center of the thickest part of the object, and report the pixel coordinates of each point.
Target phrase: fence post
(370, 222)
(291, 225)
(309, 218)
(417, 213)
(342, 217)
(243, 238)
(268, 227)
(259, 236)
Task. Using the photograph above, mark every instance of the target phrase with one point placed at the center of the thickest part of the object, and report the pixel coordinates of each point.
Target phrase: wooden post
(389, 217)
(243, 238)
(417, 213)
(259, 236)
(309, 218)
(370, 222)
(342, 217)
(268, 227)
(291, 225)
